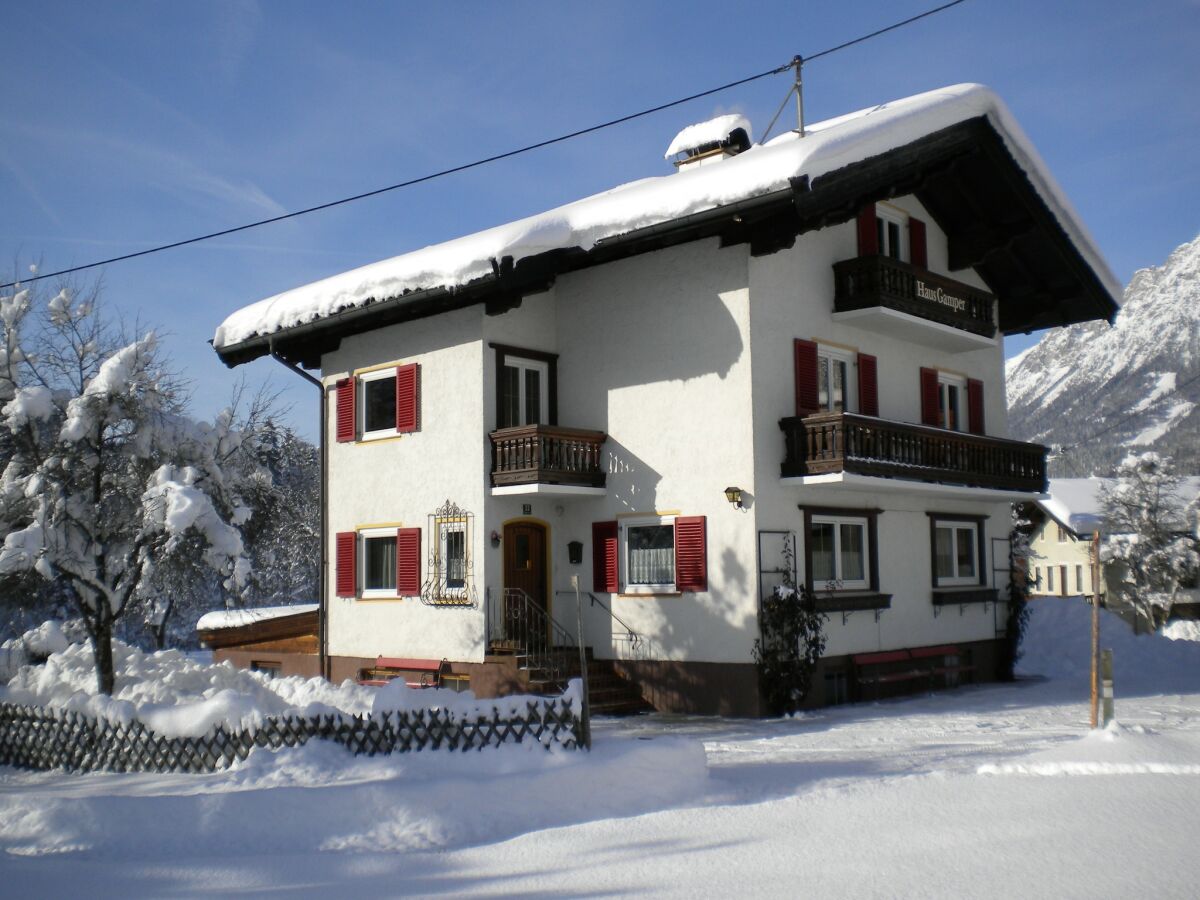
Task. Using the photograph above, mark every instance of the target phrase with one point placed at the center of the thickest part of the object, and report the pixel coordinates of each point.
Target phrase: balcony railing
(873, 281)
(844, 442)
(547, 454)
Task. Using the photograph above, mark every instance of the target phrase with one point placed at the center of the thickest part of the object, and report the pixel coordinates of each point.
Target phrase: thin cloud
(29, 186)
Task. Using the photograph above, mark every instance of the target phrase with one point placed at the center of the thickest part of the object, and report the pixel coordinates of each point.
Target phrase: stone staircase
(609, 693)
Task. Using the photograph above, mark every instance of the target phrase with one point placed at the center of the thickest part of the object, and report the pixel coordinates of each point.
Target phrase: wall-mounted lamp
(734, 496)
(574, 552)
(495, 538)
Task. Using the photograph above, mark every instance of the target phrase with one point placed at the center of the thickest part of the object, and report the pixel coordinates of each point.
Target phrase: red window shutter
(930, 409)
(408, 562)
(868, 235)
(868, 385)
(975, 405)
(807, 388)
(346, 564)
(917, 254)
(345, 410)
(408, 398)
(604, 558)
(691, 554)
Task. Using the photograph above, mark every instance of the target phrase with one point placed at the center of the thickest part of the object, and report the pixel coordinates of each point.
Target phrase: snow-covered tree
(1148, 545)
(104, 478)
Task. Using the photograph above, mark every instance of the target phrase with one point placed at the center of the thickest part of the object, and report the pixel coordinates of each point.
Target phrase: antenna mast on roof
(797, 88)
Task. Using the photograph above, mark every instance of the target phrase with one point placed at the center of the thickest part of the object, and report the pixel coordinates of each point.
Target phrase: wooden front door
(525, 560)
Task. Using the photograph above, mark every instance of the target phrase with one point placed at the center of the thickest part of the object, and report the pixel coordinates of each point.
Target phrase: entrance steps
(609, 692)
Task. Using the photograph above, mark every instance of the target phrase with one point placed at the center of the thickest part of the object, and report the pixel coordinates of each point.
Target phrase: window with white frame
(378, 575)
(524, 392)
(451, 563)
(648, 557)
(378, 404)
(952, 396)
(891, 226)
(956, 553)
(839, 552)
(836, 379)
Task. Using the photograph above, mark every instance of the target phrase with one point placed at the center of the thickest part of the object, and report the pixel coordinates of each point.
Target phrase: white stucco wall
(400, 481)
(792, 297)
(684, 358)
(654, 351)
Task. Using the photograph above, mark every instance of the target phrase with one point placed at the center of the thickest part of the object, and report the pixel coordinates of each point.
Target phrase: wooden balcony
(547, 455)
(884, 294)
(845, 442)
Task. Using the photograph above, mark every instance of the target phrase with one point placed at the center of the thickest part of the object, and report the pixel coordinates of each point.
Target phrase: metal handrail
(635, 638)
(518, 620)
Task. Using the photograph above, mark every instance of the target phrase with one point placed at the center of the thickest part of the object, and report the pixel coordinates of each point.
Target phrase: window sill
(852, 602)
(948, 596)
(636, 594)
(378, 438)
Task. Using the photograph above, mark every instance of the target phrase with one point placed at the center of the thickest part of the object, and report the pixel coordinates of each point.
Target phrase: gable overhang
(996, 222)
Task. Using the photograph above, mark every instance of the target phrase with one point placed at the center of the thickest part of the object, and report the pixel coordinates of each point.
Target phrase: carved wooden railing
(845, 442)
(868, 281)
(532, 454)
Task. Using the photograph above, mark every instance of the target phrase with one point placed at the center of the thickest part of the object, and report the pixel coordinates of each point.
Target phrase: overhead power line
(489, 159)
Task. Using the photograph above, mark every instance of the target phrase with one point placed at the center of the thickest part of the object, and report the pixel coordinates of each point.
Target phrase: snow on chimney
(709, 142)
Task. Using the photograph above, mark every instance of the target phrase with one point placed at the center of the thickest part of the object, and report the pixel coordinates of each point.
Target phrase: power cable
(490, 159)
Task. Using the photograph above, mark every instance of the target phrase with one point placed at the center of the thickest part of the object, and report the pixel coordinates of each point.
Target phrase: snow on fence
(38, 737)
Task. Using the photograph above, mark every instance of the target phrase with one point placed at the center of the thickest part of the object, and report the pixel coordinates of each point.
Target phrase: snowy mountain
(1104, 391)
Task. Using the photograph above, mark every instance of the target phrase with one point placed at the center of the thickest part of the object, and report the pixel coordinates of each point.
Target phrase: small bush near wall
(792, 641)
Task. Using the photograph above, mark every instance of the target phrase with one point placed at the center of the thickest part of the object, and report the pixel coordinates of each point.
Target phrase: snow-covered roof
(711, 132)
(236, 618)
(761, 170)
(1075, 502)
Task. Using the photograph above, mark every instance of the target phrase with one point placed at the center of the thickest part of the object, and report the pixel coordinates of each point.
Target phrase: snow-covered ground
(996, 790)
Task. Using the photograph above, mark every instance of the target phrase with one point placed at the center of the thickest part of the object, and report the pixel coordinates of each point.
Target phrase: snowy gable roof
(714, 131)
(237, 618)
(762, 171)
(1075, 502)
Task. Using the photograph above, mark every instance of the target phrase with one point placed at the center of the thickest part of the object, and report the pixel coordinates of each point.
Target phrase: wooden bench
(417, 673)
(932, 656)
(868, 668)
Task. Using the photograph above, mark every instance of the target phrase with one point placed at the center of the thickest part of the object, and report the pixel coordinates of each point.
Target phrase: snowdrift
(1057, 646)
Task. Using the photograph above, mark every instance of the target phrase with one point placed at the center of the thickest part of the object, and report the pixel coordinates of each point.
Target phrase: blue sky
(130, 124)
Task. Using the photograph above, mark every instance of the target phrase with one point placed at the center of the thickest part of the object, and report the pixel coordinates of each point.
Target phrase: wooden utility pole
(1095, 628)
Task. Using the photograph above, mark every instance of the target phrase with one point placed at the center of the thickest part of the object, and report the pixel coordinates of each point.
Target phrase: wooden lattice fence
(37, 737)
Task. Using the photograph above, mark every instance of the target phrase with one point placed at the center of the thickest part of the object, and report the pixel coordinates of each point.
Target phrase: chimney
(710, 142)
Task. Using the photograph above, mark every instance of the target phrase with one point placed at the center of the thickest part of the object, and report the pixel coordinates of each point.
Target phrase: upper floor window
(952, 401)
(951, 406)
(379, 403)
(891, 232)
(524, 392)
(526, 387)
(887, 230)
(835, 375)
(834, 379)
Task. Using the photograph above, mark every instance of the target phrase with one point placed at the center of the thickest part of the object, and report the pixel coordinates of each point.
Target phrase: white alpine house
(792, 354)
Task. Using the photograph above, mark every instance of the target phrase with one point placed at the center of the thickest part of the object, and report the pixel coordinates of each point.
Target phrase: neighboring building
(660, 388)
(276, 640)
(1064, 522)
